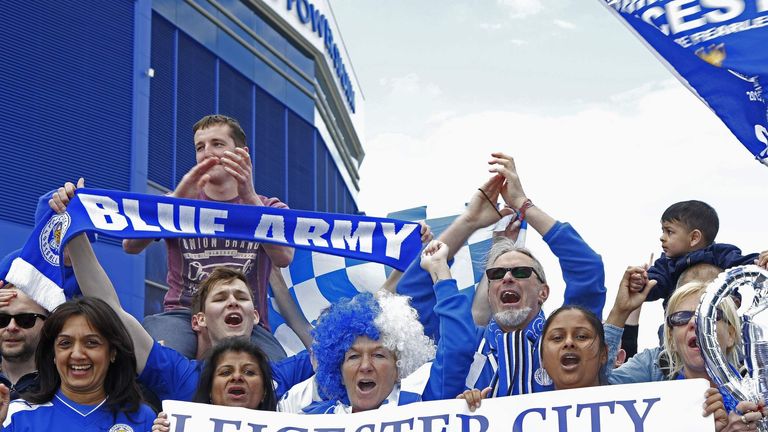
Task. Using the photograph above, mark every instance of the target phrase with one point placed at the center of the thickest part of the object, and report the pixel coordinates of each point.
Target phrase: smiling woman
(86, 366)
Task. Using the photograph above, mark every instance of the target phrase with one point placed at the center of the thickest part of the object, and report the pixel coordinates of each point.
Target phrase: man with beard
(507, 360)
(20, 322)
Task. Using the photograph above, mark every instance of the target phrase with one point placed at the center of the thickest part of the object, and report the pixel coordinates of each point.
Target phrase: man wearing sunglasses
(20, 322)
(506, 360)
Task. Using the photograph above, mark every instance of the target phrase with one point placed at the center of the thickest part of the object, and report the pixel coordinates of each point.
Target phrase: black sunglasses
(496, 273)
(681, 318)
(24, 320)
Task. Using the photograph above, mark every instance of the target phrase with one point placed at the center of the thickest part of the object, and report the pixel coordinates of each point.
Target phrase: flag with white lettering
(316, 280)
(659, 406)
(131, 215)
(715, 48)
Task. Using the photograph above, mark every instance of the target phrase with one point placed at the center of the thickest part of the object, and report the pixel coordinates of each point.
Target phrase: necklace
(77, 410)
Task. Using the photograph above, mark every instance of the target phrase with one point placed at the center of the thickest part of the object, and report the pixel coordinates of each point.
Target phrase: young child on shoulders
(688, 231)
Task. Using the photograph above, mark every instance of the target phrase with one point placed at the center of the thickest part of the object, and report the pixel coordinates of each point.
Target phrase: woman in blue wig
(371, 350)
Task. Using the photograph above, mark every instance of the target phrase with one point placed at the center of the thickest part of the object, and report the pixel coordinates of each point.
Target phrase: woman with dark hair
(573, 349)
(236, 373)
(86, 366)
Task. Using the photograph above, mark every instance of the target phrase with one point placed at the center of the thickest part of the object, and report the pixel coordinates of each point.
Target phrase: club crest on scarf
(51, 235)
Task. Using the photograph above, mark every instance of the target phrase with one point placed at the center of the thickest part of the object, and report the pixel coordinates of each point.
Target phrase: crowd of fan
(92, 364)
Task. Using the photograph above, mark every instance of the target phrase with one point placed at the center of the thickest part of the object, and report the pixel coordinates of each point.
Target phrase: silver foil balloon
(754, 331)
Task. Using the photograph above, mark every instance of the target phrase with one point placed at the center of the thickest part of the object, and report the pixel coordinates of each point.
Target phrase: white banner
(659, 406)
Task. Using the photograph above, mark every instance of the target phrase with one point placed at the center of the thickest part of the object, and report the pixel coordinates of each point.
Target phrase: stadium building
(109, 90)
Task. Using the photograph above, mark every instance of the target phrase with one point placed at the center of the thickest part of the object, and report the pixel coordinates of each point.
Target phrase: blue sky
(604, 137)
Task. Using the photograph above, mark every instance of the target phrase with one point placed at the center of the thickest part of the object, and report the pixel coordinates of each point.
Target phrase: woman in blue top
(236, 374)
(371, 350)
(87, 375)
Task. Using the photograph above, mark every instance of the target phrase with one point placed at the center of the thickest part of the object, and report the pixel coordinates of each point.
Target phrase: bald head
(701, 272)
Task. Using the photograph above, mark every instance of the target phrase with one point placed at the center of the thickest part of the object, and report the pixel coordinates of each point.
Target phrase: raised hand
(238, 165)
(426, 233)
(61, 198)
(434, 259)
(512, 190)
(435, 254)
(638, 280)
(628, 299)
(482, 210)
(7, 295)
(195, 179)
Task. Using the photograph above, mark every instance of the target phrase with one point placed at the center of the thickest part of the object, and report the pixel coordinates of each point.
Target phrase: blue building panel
(55, 93)
(195, 98)
(301, 163)
(110, 90)
(321, 176)
(235, 97)
(162, 103)
(234, 53)
(269, 156)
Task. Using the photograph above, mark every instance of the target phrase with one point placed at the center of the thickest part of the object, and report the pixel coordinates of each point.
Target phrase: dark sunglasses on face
(496, 273)
(24, 320)
(681, 318)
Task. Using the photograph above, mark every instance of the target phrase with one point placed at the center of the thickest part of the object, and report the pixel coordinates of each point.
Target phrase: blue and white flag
(316, 280)
(37, 270)
(718, 49)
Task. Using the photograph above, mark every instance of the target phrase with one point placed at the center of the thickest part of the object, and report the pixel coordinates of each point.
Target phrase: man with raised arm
(507, 361)
(224, 174)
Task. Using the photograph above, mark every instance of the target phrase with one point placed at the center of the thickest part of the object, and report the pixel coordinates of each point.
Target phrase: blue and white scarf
(514, 359)
(38, 272)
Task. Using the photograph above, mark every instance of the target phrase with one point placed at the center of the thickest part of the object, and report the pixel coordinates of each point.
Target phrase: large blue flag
(718, 49)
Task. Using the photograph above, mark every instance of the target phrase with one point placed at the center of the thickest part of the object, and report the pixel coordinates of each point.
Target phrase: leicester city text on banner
(718, 50)
(643, 407)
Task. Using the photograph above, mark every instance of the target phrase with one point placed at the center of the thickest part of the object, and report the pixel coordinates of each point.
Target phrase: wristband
(523, 208)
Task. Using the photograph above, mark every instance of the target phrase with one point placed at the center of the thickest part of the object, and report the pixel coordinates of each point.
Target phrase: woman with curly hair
(371, 350)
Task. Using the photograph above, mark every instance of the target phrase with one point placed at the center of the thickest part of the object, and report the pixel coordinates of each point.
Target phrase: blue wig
(337, 329)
